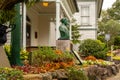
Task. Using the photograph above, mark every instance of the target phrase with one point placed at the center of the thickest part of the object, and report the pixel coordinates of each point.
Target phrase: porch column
(16, 38)
(24, 25)
(57, 18)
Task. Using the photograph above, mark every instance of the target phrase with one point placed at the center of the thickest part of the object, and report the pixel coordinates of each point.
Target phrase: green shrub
(117, 41)
(100, 55)
(75, 74)
(101, 38)
(10, 74)
(47, 54)
(43, 54)
(90, 47)
(116, 47)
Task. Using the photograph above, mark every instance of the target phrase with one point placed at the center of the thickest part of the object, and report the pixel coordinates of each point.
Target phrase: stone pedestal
(63, 45)
(4, 62)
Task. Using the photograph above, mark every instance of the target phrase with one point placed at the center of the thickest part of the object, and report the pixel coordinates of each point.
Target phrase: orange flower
(100, 60)
(90, 58)
(58, 52)
(63, 65)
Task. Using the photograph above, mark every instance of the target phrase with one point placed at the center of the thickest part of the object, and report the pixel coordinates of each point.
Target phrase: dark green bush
(100, 55)
(116, 47)
(89, 47)
(117, 41)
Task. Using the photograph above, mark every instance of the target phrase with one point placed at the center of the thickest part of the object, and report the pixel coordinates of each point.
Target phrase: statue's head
(64, 21)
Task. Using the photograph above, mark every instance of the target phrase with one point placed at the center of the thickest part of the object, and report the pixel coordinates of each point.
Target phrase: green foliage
(109, 23)
(47, 54)
(7, 50)
(100, 54)
(75, 32)
(116, 47)
(43, 54)
(114, 11)
(10, 74)
(101, 38)
(24, 54)
(110, 27)
(31, 2)
(89, 47)
(7, 15)
(75, 74)
(117, 41)
(65, 57)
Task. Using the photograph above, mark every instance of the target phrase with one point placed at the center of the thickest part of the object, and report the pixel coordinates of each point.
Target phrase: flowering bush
(46, 54)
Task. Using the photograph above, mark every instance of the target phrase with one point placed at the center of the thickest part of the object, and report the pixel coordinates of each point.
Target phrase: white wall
(52, 34)
(34, 27)
(46, 31)
(87, 34)
(88, 31)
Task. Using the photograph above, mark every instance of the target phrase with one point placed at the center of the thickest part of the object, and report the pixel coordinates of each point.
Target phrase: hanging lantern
(45, 4)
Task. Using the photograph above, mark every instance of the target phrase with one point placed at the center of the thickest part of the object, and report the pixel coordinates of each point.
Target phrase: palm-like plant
(7, 11)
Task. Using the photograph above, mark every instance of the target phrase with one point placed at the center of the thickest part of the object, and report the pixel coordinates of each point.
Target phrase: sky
(107, 4)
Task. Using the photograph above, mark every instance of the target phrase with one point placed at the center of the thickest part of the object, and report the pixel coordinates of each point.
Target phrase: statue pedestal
(63, 45)
(4, 62)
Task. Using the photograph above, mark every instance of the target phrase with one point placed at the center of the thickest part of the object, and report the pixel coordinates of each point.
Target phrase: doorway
(28, 35)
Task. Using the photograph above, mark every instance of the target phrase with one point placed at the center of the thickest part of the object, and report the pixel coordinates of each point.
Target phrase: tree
(114, 12)
(75, 32)
(108, 25)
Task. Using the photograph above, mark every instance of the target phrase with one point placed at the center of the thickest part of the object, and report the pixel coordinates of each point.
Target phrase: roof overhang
(99, 7)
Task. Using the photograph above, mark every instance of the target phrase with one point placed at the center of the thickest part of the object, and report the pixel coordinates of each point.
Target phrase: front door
(28, 35)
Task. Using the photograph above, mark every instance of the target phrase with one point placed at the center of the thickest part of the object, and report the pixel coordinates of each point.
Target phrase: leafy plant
(117, 41)
(7, 50)
(43, 54)
(24, 54)
(75, 32)
(47, 54)
(76, 74)
(10, 74)
(89, 47)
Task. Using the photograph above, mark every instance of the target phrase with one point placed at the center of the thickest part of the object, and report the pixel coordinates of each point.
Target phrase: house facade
(40, 22)
(89, 12)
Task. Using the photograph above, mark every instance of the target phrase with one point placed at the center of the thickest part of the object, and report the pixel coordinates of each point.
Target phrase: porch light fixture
(45, 4)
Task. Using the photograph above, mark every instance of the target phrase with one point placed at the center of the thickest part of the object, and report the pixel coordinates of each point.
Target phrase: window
(85, 15)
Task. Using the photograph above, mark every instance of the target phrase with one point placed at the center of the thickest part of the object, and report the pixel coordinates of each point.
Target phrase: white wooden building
(87, 17)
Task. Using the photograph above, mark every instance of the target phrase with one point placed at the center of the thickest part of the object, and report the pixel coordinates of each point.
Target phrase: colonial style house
(41, 21)
(89, 12)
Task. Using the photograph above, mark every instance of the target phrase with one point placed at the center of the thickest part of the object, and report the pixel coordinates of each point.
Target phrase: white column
(57, 18)
(24, 25)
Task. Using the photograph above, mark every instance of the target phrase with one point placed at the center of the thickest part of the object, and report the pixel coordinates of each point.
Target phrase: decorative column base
(63, 45)
(4, 62)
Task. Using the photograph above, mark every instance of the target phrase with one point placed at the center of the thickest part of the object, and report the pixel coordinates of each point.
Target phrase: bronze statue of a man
(64, 29)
